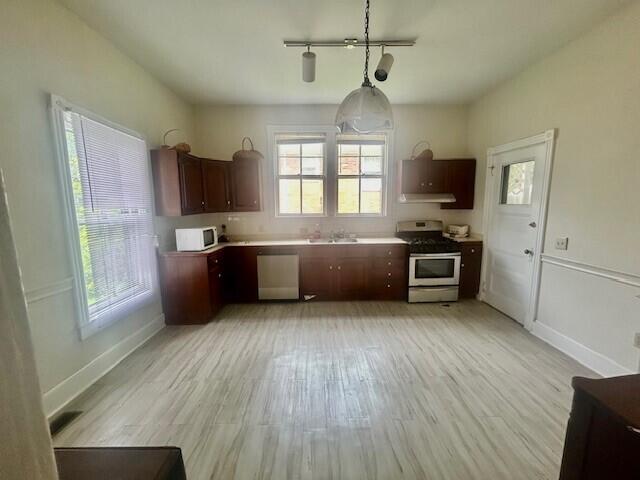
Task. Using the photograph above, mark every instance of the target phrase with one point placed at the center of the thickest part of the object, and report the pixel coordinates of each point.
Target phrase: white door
(515, 217)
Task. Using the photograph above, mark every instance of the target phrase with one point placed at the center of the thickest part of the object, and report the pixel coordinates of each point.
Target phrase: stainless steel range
(434, 261)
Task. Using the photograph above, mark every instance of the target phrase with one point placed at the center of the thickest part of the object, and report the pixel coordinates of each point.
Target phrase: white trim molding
(625, 278)
(589, 358)
(63, 393)
(51, 289)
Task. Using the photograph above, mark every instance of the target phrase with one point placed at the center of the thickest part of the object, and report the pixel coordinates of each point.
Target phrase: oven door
(436, 269)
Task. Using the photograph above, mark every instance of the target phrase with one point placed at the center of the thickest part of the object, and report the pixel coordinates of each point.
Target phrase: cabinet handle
(388, 286)
(203, 203)
(216, 260)
(219, 275)
(462, 265)
(389, 263)
(255, 202)
(228, 202)
(330, 267)
(633, 429)
(422, 184)
(389, 252)
(339, 267)
(473, 250)
(430, 184)
(389, 274)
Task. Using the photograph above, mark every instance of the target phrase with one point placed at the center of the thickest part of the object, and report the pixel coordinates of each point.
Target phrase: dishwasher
(278, 276)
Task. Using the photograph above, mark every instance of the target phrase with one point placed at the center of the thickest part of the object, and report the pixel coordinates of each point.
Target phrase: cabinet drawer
(216, 259)
(380, 264)
(470, 250)
(391, 251)
(389, 289)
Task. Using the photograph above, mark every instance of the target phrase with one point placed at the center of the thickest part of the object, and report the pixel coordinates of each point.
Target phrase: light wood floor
(370, 390)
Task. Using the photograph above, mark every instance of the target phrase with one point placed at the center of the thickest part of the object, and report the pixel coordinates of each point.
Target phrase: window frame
(86, 326)
(382, 176)
(330, 169)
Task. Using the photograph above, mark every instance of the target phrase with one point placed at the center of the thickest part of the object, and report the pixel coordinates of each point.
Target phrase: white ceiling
(230, 51)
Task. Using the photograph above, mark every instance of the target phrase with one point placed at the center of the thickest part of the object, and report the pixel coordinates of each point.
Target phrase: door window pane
(517, 183)
(348, 195)
(371, 195)
(312, 196)
(289, 199)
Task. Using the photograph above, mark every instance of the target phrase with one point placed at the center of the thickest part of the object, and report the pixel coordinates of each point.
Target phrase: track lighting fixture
(384, 66)
(308, 65)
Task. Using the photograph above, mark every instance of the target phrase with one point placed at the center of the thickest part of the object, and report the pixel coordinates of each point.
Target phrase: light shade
(364, 110)
(308, 66)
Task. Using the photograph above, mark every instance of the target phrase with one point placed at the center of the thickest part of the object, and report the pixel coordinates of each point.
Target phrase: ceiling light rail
(348, 43)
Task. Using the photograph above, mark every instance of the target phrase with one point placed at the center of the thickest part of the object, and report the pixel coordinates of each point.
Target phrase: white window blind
(108, 182)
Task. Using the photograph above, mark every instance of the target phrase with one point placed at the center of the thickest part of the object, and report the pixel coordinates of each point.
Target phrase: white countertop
(473, 237)
(295, 243)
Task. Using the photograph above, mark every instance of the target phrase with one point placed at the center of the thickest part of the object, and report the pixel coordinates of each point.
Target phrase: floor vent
(62, 420)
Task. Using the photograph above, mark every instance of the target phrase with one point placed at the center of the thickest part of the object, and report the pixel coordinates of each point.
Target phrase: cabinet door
(351, 279)
(216, 186)
(245, 185)
(388, 279)
(241, 265)
(436, 175)
(191, 191)
(470, 267)
(461, 181)
(413, 174)
(316, 277)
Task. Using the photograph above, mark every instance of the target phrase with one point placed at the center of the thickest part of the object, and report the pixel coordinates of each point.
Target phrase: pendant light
(366, 109)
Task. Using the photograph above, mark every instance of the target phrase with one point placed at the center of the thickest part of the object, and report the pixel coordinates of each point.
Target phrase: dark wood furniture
(456, 176)
(122, 463)
(185, 184)
(195, 285)
(470, 267)
(603, 433)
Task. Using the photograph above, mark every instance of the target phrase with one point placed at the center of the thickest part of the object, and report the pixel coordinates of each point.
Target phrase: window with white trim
(361, 170)
(109, 200)
(300, 175)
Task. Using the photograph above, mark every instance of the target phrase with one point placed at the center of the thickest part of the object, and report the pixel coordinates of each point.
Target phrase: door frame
(548, 138)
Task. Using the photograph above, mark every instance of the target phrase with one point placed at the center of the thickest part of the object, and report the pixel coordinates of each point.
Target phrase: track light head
(384, 66)
(308, 66)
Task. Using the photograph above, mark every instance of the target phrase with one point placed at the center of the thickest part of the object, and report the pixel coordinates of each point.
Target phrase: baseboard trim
(591, 359)
(63, 393)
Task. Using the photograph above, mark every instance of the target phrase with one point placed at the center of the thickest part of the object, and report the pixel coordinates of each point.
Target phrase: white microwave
(196, 239)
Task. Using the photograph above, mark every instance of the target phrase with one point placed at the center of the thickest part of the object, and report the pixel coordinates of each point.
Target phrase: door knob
(533, 224)
(528, 252)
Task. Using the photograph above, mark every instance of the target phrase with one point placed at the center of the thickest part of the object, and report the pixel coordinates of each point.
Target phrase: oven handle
(435, 255)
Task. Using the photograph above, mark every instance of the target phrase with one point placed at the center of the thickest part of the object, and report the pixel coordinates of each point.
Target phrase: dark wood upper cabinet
(185, 184)
(456, 176)
(461, 180)
(245, 185)
(217, 195)
(191, 188)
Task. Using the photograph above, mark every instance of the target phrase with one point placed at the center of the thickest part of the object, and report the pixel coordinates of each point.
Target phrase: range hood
(426, 198)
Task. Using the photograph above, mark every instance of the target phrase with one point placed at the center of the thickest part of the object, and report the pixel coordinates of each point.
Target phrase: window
(300, 176)
(108, 192)
(517, 183)
(360, 172)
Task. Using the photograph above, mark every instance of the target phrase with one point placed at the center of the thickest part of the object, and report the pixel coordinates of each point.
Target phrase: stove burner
(430, 244)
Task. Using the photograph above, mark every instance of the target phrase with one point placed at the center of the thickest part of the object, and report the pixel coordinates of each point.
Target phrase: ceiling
(230, 51)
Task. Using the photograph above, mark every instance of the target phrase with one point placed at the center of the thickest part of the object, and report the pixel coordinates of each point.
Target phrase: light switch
(562, 243)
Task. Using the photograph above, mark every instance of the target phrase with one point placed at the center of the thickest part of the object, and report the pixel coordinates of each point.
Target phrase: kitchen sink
(345, 240)
(333, 240)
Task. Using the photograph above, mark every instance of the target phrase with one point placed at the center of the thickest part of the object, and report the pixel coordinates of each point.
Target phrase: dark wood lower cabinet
(470, 268)
(603, 433)
(196, 285)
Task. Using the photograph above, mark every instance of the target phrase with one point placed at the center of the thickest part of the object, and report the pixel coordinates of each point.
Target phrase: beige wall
(219, 131)
(46, 49)
(590, 92)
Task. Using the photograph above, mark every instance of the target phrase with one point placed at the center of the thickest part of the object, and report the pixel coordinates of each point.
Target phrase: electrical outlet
(562, 243)
(636, 340)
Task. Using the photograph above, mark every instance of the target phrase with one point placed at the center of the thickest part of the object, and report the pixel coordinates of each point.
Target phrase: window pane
(349, 166)
(312, 149)
(372, 165)
(289, 201)
(372, 150)
(313, 196)
(517, 183)
(371, 195)
(289, 150)
(312, 166)
(348, 195)
(349, 150)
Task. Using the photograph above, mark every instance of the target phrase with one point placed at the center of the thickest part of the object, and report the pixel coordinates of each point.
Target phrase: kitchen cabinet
(185, 184)
(245, 185)
(191, 189)
(460, 180)
(242, 265)
(603, 432)
(215, 178)
(470, 268)
(456, 176)
(351, 278)
(316, 277)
